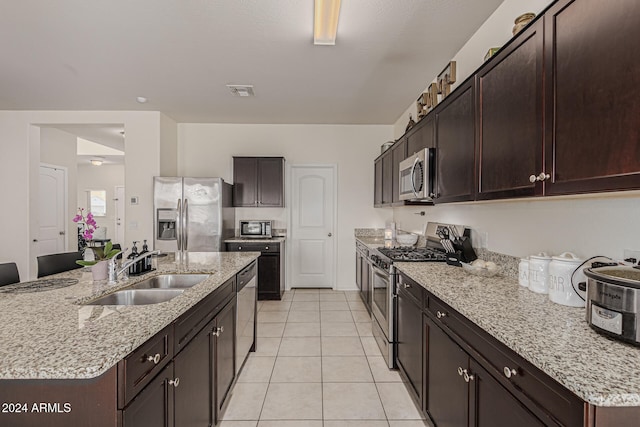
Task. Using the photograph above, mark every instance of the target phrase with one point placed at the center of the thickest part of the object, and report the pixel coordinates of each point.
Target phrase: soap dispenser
(145, 263)
(135, 267)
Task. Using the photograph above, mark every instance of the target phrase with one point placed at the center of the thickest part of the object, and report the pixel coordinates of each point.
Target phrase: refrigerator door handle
(179, 225)
(185, 228)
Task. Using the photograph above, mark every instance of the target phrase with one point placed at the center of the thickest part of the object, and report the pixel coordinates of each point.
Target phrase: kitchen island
(66, 363)
(523, 344)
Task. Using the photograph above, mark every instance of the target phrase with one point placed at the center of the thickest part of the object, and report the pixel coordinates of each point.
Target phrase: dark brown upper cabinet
(258, 182)
(509, 116)
(398, 154)
(387, 178)
(455, 145)
(377, 186)
(423, 136)
(592, 87)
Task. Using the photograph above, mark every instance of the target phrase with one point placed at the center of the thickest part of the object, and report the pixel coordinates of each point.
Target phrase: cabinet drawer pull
(175, 382)
(156, 358)
(239, 248)
(440, 314)
(508, 372)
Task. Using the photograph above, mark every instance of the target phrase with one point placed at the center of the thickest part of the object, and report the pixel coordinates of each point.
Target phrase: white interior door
(119, 217)
(51, 217)
(313, 202)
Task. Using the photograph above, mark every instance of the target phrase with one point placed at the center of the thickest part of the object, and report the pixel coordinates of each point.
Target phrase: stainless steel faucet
(114, 272)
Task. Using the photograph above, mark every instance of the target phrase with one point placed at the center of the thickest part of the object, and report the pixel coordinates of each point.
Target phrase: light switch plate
(134, 200)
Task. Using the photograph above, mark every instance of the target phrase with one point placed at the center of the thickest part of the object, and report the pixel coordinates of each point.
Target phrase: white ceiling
(180, 54)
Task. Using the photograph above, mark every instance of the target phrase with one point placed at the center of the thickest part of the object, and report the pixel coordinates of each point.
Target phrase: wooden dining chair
(58, 263)
(9, 274)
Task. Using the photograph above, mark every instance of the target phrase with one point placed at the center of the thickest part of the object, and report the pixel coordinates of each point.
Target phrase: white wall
(168, 146)
(105, 177)
(58, 148)
(20, 147)
(495, 32)
(207, 150)
(596, 224)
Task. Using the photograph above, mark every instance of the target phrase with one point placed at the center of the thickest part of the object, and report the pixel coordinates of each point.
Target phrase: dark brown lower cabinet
(462, 393)
(269, 276)
(153, 407)
(491, 405)
(409, 343)
(270, 266)
(192, 395)
(457, 373)
(447, 392)
(223, 356)
(193, 389)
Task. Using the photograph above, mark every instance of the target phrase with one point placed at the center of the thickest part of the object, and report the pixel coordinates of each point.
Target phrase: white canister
(523, 272)
(539, 273)
(561, 290)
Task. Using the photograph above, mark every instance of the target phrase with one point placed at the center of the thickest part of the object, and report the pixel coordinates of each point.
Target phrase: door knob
(329, 234)
(61, 233)
(35, 240)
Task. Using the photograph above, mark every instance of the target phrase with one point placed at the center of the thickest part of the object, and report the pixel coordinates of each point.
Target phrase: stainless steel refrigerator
(192, 214)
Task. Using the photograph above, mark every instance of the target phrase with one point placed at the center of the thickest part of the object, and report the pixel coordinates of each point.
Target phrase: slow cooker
(613, 301)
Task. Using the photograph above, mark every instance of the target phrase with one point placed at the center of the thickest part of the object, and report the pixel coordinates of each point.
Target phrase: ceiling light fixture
(325, 22)
(97, 162)
(141, 99)
(241, 90)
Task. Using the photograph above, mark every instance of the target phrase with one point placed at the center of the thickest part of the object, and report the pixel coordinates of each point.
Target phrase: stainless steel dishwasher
(246, 313)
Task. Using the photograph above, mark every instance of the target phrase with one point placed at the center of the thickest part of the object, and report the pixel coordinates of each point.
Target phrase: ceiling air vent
(241, 90)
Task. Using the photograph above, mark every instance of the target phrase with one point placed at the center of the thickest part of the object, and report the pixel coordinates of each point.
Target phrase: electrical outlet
(631, 253)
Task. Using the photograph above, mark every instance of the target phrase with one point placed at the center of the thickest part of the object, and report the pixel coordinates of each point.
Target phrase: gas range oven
(384, 278)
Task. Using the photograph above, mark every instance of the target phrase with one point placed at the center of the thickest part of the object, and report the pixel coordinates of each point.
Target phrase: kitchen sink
(137, 297)
(153, 290)
(170, 281)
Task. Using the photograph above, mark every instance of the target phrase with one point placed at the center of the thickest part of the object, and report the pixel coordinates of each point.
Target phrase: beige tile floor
(317, 365)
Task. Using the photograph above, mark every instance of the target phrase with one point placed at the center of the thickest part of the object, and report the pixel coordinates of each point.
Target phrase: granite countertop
(372, 242)
(51, 335)
(554, 338)
(274, 239)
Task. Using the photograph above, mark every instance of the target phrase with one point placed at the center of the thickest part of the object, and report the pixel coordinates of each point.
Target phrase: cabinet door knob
(155, 358)
(406, 285)
(508, 372)
(330, 234)
(540, 177)
(440, 314)
(461, 371)
(218, 331)
(175, 382)
(467, 376)
(266, 248)
(239, 248)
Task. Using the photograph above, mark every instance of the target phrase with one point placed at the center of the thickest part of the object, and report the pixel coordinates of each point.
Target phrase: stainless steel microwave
(417, 176)
(258, 229)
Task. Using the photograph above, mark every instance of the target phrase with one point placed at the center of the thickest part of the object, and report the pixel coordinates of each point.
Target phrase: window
(97, 202)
